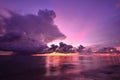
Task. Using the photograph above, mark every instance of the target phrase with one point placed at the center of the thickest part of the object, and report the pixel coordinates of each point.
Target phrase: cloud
(27, 32)
(4, 13)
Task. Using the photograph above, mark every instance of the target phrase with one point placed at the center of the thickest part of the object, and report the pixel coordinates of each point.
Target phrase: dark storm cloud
(8, 37)
(27, 32)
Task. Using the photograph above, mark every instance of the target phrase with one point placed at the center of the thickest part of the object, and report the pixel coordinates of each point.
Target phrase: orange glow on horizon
(76, 54)
(56, 54)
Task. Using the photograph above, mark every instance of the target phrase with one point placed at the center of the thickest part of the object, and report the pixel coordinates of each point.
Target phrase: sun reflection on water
(55, 62)
(73, 63)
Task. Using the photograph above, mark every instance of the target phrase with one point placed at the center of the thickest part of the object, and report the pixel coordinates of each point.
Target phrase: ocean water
(53, 67)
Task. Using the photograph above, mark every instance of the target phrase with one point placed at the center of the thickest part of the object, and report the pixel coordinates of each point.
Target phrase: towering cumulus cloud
(26, 33)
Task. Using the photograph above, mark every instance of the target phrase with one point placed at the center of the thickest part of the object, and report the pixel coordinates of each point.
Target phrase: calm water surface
(74, 64)
(52, 67)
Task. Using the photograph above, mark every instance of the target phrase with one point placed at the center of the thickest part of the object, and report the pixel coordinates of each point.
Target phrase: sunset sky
(87, 22)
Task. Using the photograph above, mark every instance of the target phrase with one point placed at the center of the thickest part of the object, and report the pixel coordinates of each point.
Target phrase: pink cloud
(4, 13)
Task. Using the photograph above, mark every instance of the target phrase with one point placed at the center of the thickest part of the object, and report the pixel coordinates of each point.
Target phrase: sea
(56, 66)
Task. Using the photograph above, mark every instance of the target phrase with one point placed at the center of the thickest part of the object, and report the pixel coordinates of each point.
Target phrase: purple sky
(87, 22)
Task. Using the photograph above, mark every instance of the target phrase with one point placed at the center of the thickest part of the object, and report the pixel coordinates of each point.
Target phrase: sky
(86, 22)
